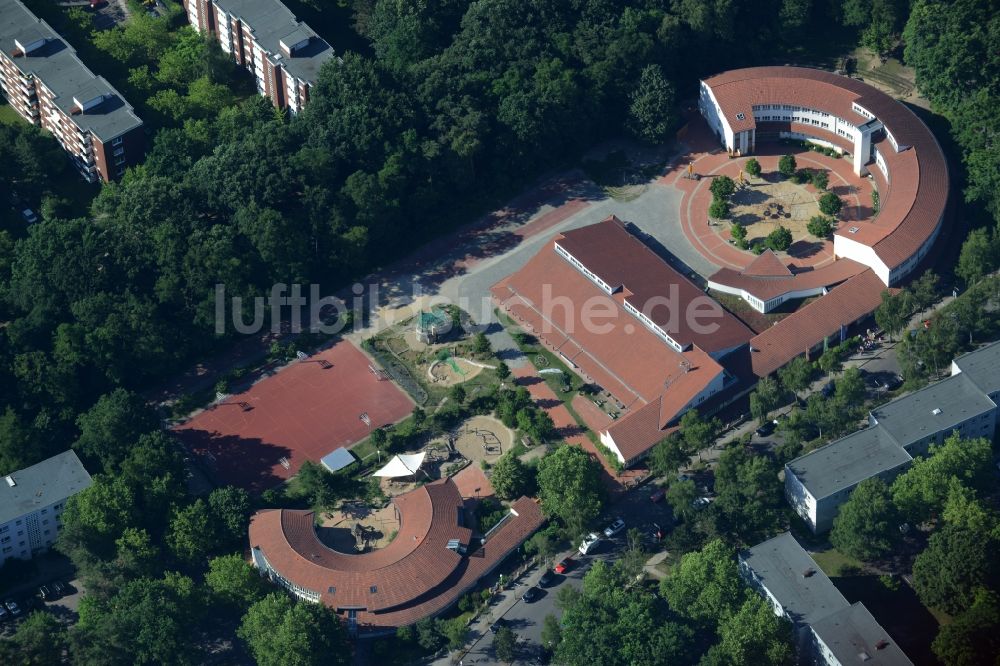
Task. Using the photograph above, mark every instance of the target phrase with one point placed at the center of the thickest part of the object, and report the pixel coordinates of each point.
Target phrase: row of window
(583, 269)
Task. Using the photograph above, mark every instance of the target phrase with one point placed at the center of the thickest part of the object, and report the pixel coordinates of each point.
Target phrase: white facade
(31, 533)
(846, 248)
(770, 304)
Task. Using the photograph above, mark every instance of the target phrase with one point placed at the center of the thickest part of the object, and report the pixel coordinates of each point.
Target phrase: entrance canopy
(405, 465)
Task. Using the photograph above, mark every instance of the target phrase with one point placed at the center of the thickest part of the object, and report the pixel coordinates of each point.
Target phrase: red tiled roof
(414, 576)
(804, 329)
(654, 382)
(610, 251)
(767, 264)
(766, 288)
(912, 208)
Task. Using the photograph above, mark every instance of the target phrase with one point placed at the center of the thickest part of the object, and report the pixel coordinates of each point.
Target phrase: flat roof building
(284, 54)
(32, 500)
(818, 483)
(982, 367)
(44, 80)
(827, 629)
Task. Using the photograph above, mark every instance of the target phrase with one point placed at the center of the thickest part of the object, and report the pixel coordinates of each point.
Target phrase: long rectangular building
(818, 483)
(47, 84)
(827, 629)
(31, 502)
(264, 37)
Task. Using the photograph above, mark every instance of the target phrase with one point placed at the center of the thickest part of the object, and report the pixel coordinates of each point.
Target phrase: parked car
(60, 589)
(657, 495)
(4, 615)
(894, 382)
(614, 528)
(45, 594)
(12, 607)
(656, 532)
(531, 594)
(500, 622)
(548, 578)
(828, 389)
(765, 429)
(564, 565)
(589, 543)
(701, 502)
(29, 216)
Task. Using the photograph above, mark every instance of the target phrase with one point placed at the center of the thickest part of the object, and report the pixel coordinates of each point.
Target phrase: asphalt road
(526, 619)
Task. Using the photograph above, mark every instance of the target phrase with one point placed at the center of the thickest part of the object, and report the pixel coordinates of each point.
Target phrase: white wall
(713, 114)
(27, 533)
(845, 247)
(800, 499)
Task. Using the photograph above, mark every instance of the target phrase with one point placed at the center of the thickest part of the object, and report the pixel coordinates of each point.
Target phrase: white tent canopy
(405, 465)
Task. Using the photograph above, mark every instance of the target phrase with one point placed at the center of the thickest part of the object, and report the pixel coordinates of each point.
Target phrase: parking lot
(24, 592)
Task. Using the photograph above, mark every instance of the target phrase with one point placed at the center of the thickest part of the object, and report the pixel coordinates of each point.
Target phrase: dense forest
(454, 108)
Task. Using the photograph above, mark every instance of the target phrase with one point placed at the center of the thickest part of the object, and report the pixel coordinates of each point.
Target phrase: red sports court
(258, 438)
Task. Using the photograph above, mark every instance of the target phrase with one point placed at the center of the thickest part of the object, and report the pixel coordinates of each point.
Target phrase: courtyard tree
(764, 399)
(719, 209)
(753, 635)
(971, 638)
(503, 371)
(481, 344)
(722, 187)
(510, 478)
(830, 204)
(779, 240)
(234, 581)
(866, 526)
(955, 565)
(752, 167)
(820, 179)
(505, 644)
(820, 226)
(978, 257)
(739, 234)
(705, 586)
(569, 485)
(668, 455)
(787, 166)
(797, 375)
(892, 313)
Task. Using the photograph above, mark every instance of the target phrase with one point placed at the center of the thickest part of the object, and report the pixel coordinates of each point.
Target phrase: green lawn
(8, 116)
(832, 562)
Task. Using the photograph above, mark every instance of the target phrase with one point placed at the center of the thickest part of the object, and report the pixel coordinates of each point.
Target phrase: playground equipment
(432, 325)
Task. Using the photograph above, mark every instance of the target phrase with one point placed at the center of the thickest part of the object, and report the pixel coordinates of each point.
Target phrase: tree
(718, 209)
(136, 554)
(668, 455)
(651, 109)
(764, 399)
(705, 586)
(977, 258)
(510, 478)
(752, 167)
(787, 166)
(551, 632)
(722, 187)
(230, 508)
(681, 496)
(457, 394)
(39, 639)
(924, 290)
(749, 498)
(797, 375)
(830, 204)
(698, 433)
(503, 371)
(429, 634)
(865, 527)
(891, 315)
(505, 644)
(569, 485)
(779, 240)
(754, 635)
(922, 491)
(112, 426)
(971, 638)
(820, 226)
(191, 535)
(882, 30)
(739, 233)
(96, 516)
(234, 581)
(278, 631)
(830, 361)
(956, 563)
(481, 344)
(820, 179)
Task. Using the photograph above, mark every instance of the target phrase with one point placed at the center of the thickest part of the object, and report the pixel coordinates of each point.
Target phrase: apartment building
(32, 501)
(47, 84)
(264, 37)
(818, 483)
(827, 629)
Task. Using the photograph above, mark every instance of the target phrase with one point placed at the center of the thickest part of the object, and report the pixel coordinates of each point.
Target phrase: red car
(657, 495)
(564, 565)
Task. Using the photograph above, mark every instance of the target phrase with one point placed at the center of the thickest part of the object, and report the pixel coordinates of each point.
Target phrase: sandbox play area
(357, 528)
(451, 371)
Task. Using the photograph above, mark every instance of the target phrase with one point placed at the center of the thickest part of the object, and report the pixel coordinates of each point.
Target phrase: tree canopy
(569, 485)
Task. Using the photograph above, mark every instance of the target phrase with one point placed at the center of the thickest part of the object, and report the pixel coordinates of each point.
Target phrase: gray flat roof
(781, 565)
(42, 484)
(270, 22)
(852, 632)
(848, 461)
(982, 367)
(935, 408)
(57, 66)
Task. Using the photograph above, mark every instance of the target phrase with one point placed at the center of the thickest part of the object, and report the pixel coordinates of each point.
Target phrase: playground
(450, 371)
(482, 438)
(764, 206)
(358, 528)
(261, 436)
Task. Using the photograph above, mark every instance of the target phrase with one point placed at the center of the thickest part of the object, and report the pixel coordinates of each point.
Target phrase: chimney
(882, 644)
(808, 573)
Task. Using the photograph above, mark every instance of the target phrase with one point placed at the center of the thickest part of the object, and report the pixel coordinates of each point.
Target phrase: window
(4, 528)
(8, 549)
(44, 511)
(5, 539)
(373, 589)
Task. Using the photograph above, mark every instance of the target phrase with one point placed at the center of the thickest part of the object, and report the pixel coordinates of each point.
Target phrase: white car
(589, 543)
(701, 502)
(29, 216)
(614, 528)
